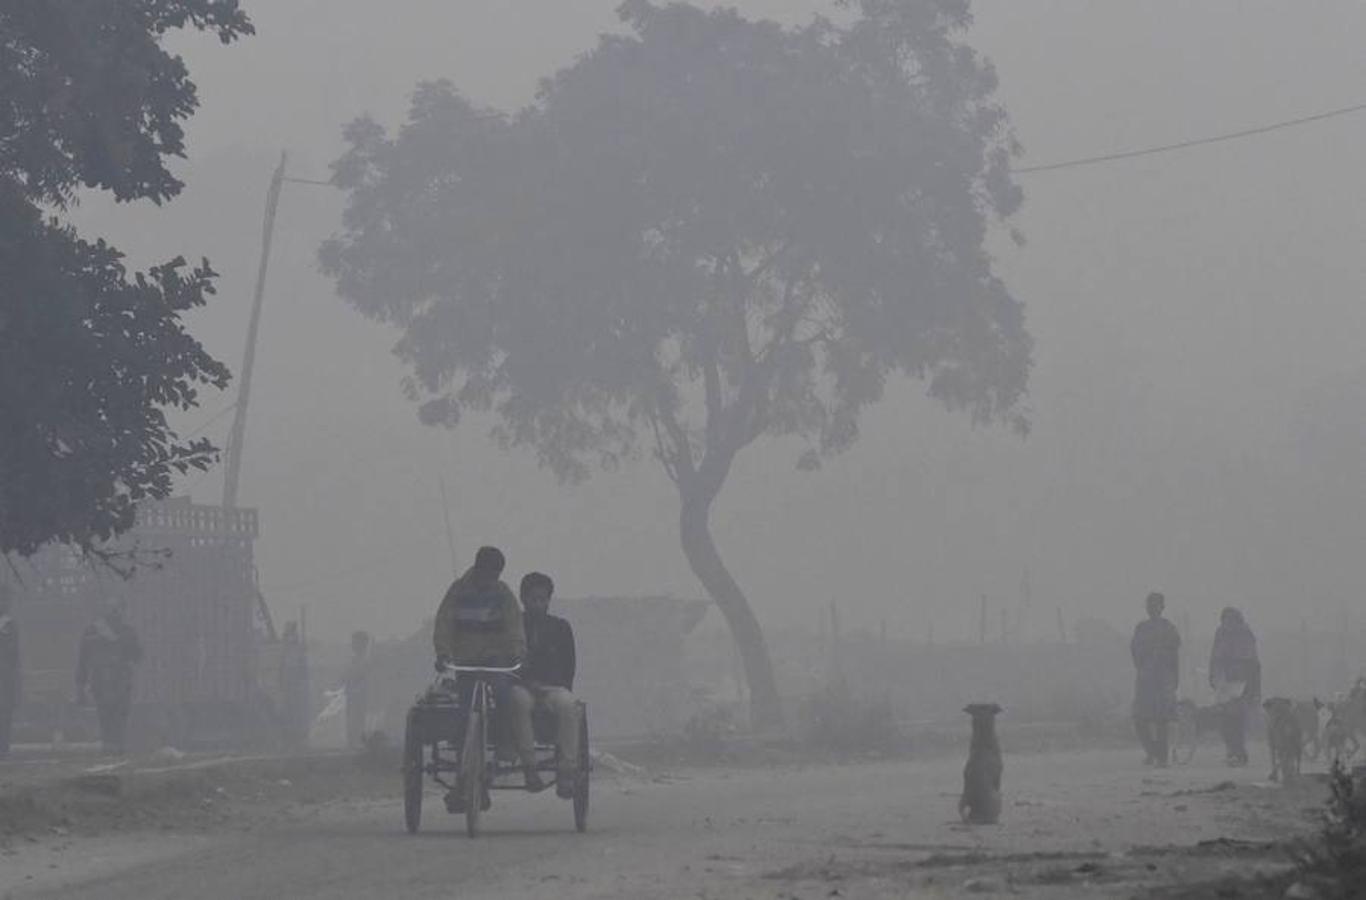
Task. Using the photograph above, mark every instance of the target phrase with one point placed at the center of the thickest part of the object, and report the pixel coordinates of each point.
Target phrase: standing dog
(1284, 737)
(981, 800)
(1307, 712)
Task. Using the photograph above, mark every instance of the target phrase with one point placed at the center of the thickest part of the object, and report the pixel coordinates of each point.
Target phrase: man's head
(1230, 616)
(1156, 604)
(489, 561)
(536, 591)
(360, 642)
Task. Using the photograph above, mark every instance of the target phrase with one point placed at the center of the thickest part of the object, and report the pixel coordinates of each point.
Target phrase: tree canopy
(91, 357)
(705, 231)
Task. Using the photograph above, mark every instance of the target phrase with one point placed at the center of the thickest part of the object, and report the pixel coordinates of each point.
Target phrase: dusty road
(1077, 824)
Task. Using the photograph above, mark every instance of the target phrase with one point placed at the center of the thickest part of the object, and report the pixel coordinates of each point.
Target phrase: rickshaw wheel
(472, 771)
(412, 776)
(581, 781)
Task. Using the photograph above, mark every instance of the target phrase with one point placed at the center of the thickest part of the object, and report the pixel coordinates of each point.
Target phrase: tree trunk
(694, 526)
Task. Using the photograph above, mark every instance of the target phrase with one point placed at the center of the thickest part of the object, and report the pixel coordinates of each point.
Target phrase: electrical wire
(216, 416)
(1195, 142)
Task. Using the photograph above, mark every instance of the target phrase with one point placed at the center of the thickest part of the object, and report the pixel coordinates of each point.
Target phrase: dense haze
(1198, 399)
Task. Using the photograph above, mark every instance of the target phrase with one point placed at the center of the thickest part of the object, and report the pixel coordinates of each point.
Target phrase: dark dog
(981, 800)
(1307, 712)
(1284, 737)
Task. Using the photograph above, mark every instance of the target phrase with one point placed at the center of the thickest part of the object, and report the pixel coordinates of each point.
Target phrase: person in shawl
(1235, 674)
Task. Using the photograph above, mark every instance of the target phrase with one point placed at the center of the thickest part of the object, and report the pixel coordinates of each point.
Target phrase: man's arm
(1175, 661)
(571, 661)
(443, 632)
(514, 631)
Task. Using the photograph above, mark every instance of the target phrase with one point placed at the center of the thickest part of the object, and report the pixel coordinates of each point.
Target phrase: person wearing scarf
(1235, 673)
(108, 652)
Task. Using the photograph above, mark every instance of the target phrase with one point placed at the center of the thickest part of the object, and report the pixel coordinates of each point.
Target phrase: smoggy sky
(1197, 401)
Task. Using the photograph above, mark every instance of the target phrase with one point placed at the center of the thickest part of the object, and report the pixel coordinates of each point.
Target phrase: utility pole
(237, 436)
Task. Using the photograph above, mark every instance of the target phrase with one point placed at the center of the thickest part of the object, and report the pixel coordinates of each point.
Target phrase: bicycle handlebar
(453, 669)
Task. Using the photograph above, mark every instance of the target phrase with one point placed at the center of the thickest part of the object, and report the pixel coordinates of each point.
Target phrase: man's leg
(566, 711)
(1229, 728)
(519, 703)
(1161, 754)
(104, 711)
(1143, 728)
(1237, 727)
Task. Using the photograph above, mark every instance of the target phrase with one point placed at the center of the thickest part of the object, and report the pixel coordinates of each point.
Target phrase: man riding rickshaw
(500, 674)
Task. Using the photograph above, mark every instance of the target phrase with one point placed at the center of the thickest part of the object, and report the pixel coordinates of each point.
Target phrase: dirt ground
(1076, 824)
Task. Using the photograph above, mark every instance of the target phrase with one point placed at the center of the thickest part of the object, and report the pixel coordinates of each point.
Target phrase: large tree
(91, 357)
(706, 231)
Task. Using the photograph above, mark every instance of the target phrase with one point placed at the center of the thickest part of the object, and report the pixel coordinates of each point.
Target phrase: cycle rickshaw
(449, 735)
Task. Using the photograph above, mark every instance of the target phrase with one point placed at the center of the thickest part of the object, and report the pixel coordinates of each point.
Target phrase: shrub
(835, 720)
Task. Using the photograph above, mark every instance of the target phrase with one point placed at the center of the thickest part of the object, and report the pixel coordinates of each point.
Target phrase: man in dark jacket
(549, 673)
(109, 650)
(9, 668)
(1156, 649)
(479, 623)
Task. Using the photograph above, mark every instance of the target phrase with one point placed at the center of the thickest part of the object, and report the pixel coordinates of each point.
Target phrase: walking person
(109, 651)
(1156, 651)
(9, 668)
(1235, 674)
(357, 685)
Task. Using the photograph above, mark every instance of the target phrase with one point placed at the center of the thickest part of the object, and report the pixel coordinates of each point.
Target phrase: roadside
(85, 797)
(1076, 824)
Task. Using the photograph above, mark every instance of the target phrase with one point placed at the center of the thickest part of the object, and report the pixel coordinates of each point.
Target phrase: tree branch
(666, 459)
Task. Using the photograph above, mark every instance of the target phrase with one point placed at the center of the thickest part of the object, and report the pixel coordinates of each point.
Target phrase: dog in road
(981, 800)
(1307, 712)
(1284, 737)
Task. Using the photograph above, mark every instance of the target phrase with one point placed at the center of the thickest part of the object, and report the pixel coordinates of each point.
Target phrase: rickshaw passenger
(479, 623)
(549, 674)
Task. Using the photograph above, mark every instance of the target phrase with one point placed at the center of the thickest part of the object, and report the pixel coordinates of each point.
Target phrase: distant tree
(705, 231)
(91, 357)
